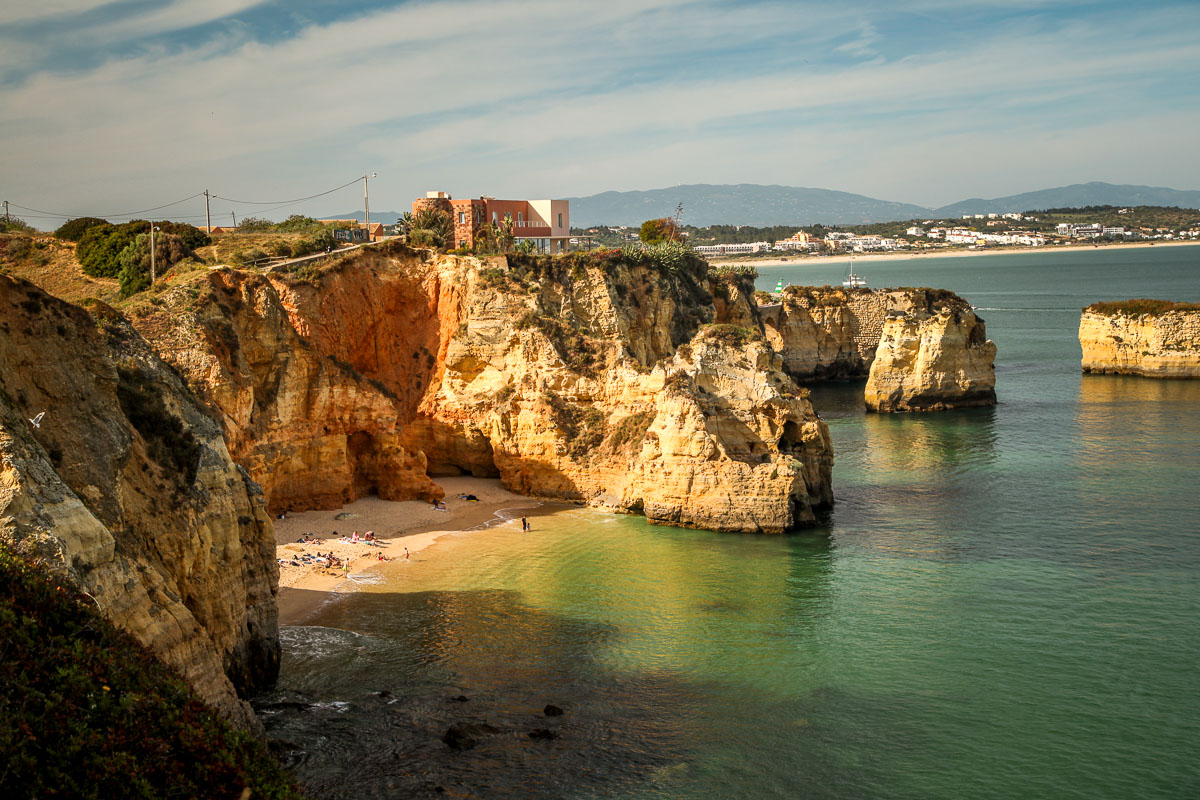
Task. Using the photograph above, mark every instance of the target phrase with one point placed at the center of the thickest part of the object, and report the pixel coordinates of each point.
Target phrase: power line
(121, 214)
(285, 202)
(37, 213)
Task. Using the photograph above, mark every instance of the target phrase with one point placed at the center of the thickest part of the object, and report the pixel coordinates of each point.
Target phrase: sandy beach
(407, 524)
(861, 258)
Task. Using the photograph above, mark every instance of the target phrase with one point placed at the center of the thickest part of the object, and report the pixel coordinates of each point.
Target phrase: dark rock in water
(465, 735)
(462, 698)
(543, 733)
(384, 695)
(281, 747)
(552, 711)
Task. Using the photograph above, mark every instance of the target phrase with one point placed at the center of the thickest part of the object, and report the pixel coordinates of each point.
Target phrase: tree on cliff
(663, 229)
(431, 227)
(73, 230)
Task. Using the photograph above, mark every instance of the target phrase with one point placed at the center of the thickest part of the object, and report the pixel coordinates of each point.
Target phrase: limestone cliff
(920, 349)
(588, 378)
(127, 488)
(1152, 338)
(933, 355)
(310, 429)
(826, 332)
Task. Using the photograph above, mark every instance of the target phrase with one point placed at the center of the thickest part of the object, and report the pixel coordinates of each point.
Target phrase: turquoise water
(1005, 603)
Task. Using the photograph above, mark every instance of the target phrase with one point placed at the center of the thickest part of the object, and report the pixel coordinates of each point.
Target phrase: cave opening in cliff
(791, 441)
(473, 456)
(364, 464)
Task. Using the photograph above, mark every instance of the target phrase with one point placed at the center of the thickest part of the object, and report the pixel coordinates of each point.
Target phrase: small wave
(318, 641)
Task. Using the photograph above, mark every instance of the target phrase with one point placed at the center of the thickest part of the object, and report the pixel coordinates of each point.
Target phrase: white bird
(37, 421)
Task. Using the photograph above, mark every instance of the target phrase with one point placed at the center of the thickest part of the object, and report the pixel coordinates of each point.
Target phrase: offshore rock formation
(588, 379)
(1152, 338)
(921, 349)
(932, 356)
(826, 332)
(127, 488)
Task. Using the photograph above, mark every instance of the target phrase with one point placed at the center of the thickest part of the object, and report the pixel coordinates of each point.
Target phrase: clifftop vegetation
(87, 712)
(1140, 306)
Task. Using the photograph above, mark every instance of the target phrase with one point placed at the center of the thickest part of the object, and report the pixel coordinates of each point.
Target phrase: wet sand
(407, 524)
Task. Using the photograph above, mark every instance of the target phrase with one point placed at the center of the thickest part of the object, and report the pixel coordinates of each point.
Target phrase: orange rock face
(624, 386)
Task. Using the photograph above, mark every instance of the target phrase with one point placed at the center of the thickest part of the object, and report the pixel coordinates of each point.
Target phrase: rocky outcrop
(934, 355)
(127, 488)
(588, 379)
(1151, 338)
(826, 332)
(310, 429)
(920, 349)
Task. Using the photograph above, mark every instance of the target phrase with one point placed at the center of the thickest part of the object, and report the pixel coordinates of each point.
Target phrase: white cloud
(519, 97)
(13, 12)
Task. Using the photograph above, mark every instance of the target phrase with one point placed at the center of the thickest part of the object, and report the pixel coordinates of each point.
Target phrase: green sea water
(1004, 603)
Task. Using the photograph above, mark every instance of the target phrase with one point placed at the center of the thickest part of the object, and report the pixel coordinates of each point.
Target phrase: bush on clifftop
(1140, 306)
(87, 712)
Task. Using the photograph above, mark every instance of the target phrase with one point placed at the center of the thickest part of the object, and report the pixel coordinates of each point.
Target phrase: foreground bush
(87, 712)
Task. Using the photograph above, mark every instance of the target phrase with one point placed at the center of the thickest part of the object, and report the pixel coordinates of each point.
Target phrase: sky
(112, 107)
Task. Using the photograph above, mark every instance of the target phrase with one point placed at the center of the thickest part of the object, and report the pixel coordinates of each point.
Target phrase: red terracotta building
(546, 222)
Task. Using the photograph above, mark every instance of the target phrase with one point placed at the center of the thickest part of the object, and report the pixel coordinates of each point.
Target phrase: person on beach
(524, 524)
(407, 557)
(346, 568)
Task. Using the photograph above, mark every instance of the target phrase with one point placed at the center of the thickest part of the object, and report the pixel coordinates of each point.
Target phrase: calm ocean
(1005, 604)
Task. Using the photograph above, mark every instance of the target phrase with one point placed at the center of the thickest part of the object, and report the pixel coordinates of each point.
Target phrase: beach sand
(864, 258)
(408, 524)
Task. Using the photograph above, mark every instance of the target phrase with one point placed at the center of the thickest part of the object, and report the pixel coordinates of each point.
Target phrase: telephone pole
(6, 219)
(207, 216)
(152, 271)
(367, 204)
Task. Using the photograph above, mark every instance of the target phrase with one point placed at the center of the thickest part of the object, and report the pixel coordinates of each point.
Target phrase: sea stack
(1150, 338)
(933, 355)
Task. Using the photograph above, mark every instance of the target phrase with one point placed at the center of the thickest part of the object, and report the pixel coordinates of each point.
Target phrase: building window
(507, 217)
(560, 219)
(520, 219)
(462, 218)
(495, 216)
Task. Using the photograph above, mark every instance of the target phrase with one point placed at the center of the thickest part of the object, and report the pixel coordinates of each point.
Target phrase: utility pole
(6, 219)
(152, 271)
(207, 216)
(234, 215)
(367, 204)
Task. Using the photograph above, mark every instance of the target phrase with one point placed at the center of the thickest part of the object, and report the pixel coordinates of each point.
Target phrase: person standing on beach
(524, 524)
(407, 557)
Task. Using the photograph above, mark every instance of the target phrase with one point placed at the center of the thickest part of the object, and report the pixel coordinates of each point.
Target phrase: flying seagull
(37, 421)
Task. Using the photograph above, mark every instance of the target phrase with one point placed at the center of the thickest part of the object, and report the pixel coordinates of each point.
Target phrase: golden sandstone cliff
(642, 387)
(920, 349)
(1151, 338)
(127, 488)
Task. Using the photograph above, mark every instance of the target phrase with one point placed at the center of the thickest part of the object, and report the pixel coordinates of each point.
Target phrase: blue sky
(108, 107)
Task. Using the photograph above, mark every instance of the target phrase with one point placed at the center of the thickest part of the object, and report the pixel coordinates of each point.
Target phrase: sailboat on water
(853, 281)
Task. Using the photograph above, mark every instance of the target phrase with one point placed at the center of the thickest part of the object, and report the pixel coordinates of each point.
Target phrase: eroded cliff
(127, 488)
(588, 378)
(1151, 338)
(933, 355)
(920, 349)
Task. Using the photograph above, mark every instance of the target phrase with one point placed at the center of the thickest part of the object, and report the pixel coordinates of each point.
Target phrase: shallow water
(1006, 603)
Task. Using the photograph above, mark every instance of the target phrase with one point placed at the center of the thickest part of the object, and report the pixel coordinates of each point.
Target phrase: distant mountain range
(753, 204)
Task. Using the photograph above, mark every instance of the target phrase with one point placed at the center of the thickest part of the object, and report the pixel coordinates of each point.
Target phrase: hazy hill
(1077, 195)
(753, 204)
(742, 204)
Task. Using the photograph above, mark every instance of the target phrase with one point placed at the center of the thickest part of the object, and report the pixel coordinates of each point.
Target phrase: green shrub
(87, 712)
(73, 230)
(319, 242)
(170, 444)
(731, 335)
(14, 225)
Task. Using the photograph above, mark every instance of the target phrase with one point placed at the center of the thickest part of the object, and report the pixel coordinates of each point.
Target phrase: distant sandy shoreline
(818, 261)
(408, 524)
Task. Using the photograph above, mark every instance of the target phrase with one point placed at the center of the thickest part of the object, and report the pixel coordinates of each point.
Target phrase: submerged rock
(466, 735)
